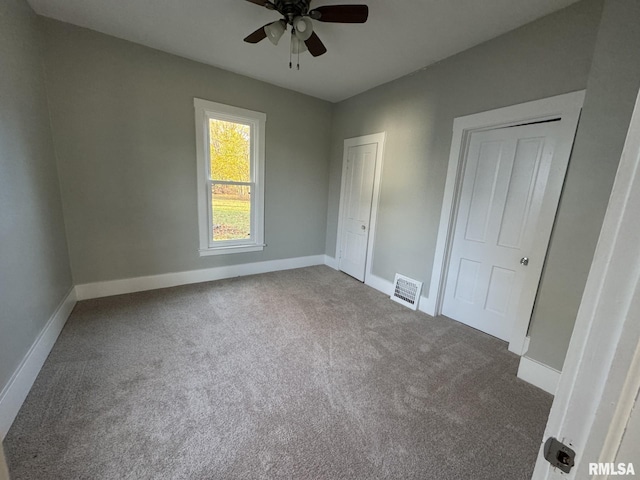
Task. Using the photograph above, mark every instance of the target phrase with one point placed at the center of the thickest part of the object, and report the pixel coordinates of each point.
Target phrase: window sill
(231, 249)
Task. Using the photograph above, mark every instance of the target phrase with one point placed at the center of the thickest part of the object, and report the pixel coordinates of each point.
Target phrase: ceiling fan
(297, 14)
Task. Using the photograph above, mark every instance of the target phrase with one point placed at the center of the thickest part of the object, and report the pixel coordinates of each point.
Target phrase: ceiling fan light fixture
(275, 31)
(297, 46)
(303, 28)
(297, 14)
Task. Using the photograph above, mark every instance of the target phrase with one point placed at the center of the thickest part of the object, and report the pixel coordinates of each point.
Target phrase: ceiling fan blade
(315, 45)
(341, 13)
(257, 36)
(263, 3)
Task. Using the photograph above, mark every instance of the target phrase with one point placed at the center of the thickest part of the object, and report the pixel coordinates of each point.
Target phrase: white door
(358, 195)
(492, 272)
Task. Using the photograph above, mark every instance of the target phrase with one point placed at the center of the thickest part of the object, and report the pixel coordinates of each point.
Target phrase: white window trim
(204, 110)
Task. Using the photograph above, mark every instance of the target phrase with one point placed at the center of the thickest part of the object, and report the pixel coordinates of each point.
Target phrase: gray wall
(34, 264)
(123, 122)
(612, 88)
(548, 57)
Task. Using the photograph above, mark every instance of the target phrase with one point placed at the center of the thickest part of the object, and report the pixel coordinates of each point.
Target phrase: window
(230, 150)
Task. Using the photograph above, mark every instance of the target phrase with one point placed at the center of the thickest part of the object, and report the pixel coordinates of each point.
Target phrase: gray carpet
(304, 374)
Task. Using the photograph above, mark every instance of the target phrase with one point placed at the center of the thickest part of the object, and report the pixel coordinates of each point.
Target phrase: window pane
(229, 149)
(231, 212)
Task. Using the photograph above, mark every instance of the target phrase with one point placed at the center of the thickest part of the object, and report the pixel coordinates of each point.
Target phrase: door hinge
(559, 455)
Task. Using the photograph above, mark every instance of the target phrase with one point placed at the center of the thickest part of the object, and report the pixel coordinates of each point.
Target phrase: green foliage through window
(230, 151)
(230, 160)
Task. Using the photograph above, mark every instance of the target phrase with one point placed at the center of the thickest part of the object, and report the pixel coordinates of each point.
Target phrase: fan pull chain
(296, 42)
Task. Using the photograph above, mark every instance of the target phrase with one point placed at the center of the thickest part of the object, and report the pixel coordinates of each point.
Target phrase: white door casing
(492, 269)
(567, 108)
(593, 409)
(360, 189)
(626, 443)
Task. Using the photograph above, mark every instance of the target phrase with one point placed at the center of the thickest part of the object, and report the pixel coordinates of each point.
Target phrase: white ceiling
(400, 37)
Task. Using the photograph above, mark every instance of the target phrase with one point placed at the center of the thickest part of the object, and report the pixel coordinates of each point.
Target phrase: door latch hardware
(524, 261)
(559, 455)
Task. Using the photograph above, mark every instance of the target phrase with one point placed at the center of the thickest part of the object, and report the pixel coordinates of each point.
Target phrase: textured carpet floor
(304, 374)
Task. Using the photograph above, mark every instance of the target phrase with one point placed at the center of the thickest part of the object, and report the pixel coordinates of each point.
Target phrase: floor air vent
(406, 291)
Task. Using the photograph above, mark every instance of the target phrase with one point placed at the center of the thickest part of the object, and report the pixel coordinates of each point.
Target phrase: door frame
(567, 108)
(597, 392)
(379, 139)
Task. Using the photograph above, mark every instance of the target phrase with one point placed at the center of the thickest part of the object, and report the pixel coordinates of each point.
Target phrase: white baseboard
(371, 280)
(152, 282)
(380, 284)
(331, 262)
(427, 305)
(15, 392)
(540, 375)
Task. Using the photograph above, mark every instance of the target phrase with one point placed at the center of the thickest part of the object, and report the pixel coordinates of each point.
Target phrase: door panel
(360, 172)
(499, 291)
(503, 187)
(520, 192)
(467, 281)
(483, 194)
